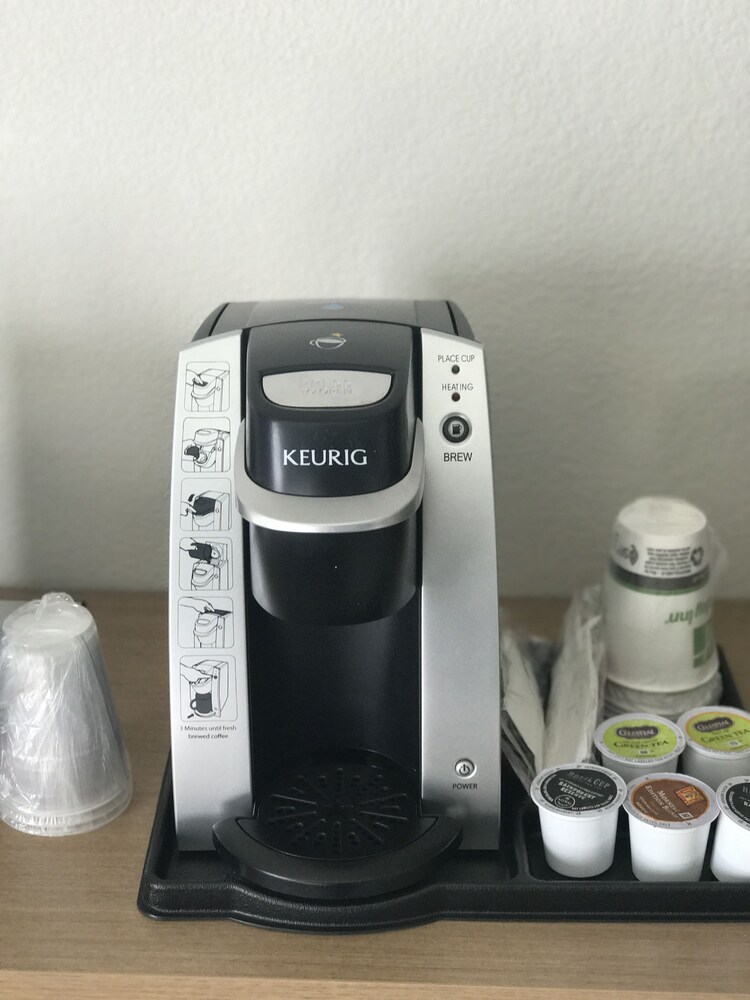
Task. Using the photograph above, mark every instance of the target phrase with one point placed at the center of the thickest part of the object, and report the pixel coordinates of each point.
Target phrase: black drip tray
(342, 830)
(513, 883)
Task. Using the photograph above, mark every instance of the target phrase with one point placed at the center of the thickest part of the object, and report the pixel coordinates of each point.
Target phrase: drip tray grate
(339, 812)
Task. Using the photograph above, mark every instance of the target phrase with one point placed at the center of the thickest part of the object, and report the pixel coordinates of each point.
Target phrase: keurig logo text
(325, 456)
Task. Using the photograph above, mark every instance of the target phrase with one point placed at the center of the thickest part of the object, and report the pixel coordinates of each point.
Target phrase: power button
(455, 428)
(465, 768)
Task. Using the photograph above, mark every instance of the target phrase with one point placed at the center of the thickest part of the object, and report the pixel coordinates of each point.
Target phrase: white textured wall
(573, 172)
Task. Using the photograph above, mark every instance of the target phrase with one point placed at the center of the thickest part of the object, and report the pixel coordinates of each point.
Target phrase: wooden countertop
(69, 924)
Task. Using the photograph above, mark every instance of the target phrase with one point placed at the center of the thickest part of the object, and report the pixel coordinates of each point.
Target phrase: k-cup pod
(670, 816)
(636, 745)
(658, 597)
(63, 765)
(578, 806)
(717, 743)
(730, 858)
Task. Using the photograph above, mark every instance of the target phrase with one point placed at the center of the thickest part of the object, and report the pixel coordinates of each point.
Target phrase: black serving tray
(514, 883)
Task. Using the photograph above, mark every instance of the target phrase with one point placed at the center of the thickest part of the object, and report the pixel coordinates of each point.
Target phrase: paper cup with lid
(657, 597)
(730, 858)
(578, 807)
(634, 745)
(717, 743)
(670, 817)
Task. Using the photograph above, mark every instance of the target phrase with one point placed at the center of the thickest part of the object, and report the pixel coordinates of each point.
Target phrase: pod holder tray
(513, 883)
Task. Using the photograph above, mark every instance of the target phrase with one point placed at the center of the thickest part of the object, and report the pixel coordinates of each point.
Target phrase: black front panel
(320, 692)
(334, 579)
(336, 450)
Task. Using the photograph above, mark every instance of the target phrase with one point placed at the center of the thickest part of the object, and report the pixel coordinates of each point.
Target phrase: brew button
(465, 768)
(456, 429)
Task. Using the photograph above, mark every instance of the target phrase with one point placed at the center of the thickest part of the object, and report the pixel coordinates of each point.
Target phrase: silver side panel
(460, 634)
(208, 687)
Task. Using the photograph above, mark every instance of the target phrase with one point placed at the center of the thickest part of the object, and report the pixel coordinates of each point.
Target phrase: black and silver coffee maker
(359, 736)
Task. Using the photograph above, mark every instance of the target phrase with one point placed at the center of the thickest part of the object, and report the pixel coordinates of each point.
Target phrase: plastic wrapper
(522, 715)
(63, 764)
(552, 691)
(574, 706)
(618, 699)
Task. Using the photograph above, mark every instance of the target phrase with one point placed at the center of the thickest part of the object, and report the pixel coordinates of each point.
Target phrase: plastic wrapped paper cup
(636, 745)
(578, 807)
(730, 858)
(670, 817)
(658, 597)
(717, 743)
(63, 764)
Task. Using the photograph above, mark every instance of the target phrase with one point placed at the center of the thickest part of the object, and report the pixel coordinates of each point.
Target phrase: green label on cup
(726, 731)
(640, 739)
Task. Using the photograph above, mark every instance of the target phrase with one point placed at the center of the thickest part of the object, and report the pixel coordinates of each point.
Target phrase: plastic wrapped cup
(730, 858)
(578, 807)
(636, 745)
(658, 597)
(63, 764)
(717, 743)
(670, 817)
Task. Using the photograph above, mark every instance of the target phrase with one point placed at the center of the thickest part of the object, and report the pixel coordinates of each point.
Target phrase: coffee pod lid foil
(670, 800)
(733, 796)
(579, 791)
(717, 730)
(640, 739)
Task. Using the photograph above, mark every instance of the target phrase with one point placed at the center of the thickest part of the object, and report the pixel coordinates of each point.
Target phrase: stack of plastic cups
(63, 764)
(661, 657)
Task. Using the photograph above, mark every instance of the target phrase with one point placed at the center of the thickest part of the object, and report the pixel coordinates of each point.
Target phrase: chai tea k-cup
(669, 817)
(730, 857)
(634, 745)
(717, 743)
(658, 597)
(578, 808)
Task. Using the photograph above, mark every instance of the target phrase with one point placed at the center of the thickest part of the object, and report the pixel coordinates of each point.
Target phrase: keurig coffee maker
(344, 736)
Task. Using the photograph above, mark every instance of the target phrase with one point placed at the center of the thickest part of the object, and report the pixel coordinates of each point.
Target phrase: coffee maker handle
(331, 515)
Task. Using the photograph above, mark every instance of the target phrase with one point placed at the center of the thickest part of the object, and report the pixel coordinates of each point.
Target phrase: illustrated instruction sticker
(208, 689)
(205, 505)
(205, 623)
(205, 564)
(207, 387)
(205, 445)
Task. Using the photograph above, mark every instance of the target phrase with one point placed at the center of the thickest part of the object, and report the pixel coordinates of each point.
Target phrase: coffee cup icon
(329, 343)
